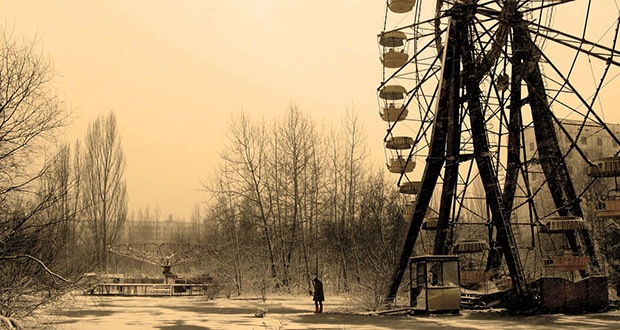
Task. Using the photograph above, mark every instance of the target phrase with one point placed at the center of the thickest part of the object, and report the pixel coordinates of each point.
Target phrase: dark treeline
(292, 200)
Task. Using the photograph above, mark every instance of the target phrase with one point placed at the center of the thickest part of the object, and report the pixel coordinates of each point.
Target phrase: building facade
(154, 231)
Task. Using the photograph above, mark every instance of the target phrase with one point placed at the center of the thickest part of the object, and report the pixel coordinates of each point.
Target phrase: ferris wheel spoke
(493, 36)
(543, 5)
(593, 49)
(573, 141)
(584, 102)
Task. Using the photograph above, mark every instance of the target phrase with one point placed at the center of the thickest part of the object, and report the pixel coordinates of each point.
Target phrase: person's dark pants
(318, 306)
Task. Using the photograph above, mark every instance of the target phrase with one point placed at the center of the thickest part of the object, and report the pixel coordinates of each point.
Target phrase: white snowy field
(283, 312)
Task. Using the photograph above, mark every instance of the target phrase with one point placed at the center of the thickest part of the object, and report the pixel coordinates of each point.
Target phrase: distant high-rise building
(593, 141)
(153, 231)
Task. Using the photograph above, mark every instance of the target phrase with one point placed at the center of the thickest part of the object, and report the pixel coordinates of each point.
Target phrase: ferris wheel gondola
(609, 205)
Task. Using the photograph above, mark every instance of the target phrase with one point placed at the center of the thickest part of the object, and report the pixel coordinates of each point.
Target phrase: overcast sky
(175, 71)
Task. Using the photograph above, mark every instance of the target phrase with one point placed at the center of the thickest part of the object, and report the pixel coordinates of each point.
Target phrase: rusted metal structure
(472, 77)
(164, 255)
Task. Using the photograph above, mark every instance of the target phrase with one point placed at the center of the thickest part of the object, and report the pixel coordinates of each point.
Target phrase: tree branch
(41, 263)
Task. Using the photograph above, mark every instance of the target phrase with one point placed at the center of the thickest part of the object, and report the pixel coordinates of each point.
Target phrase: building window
(599, 141)
(584, 140)
(531, 146)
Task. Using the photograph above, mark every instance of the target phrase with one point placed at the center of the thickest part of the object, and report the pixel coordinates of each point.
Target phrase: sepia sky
(175, 71)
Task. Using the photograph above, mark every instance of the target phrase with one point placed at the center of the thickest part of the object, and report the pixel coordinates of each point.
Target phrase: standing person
(318, 296)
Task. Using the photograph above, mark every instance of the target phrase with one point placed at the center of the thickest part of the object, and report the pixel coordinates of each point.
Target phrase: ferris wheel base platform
(553, 294)
(561, 295)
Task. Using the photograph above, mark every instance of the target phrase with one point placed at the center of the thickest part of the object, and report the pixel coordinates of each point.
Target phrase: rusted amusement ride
(477, 96)
(165, 255)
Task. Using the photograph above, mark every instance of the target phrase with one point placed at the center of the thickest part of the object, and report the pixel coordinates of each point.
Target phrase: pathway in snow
(283, 312)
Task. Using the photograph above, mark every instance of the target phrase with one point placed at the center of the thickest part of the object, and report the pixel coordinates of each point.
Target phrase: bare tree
(248, 146)
(300, 151)
(63, 178)
(30, 117)
(243, 200)
(224, 212)
(377, 238)
(355, 156)
(294, 140)
(314, 187)
(40, 225)
(104, 191)
(346, 165)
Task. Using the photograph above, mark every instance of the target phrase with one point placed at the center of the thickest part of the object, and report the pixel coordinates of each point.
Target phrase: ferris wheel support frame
(445, 150)
(500, 216)
(451, 79)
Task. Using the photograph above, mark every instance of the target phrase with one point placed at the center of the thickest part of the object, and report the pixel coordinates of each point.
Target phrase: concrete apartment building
(154, 231)
(593, 141)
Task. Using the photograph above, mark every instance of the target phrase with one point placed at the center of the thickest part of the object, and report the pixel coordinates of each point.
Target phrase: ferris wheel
(489, 107)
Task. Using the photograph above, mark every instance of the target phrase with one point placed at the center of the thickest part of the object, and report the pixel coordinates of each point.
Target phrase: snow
(283, 312)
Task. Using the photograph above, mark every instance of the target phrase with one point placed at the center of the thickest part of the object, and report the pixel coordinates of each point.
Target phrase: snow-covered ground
(283, 312)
